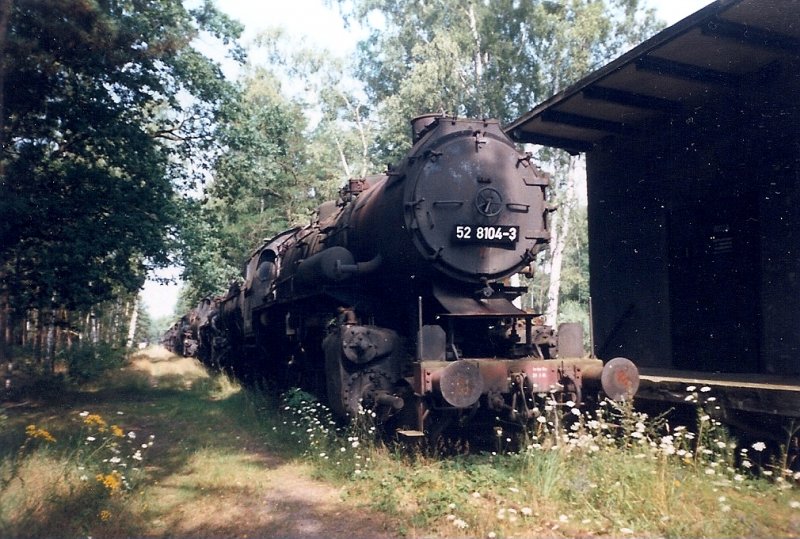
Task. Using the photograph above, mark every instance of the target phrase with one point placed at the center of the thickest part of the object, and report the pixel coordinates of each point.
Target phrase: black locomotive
(397, 299)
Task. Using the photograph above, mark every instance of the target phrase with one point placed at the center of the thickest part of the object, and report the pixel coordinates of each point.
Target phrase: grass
(615, 472)
(212, 470)
(229, 462)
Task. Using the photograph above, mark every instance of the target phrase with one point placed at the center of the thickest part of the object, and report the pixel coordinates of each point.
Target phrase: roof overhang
(719, 50)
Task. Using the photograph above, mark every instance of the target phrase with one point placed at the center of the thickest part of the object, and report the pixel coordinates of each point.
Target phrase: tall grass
(613, 471)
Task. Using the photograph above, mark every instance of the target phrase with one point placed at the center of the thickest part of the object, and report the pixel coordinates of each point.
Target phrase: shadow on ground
(215, 468)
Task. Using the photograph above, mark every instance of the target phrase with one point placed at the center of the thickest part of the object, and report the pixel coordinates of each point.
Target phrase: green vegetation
(107, 120)
(161, 448)
(493, 59)
(609, 472)
(116, 458)
(87, 362)
(125, 149)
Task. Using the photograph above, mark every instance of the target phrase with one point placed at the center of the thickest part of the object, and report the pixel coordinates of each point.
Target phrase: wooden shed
(692, 143)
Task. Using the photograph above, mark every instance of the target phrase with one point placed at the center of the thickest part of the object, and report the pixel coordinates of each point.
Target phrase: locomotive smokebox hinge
(433, 155)
(414, 204)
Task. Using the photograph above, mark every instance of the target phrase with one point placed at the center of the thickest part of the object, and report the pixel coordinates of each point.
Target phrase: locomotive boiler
(397, 297)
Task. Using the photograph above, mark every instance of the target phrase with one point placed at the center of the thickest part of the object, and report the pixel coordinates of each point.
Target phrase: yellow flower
(116, 431)
(112, 481)
(96, 421)
(33, 432)
(105, 515)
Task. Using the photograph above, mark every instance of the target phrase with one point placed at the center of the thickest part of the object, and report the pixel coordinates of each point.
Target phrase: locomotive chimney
(421, 124)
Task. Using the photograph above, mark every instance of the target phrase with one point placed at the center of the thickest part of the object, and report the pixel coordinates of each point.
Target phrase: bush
(87, 362)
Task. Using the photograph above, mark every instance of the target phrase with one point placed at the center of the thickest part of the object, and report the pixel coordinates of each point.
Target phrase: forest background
(127, 149)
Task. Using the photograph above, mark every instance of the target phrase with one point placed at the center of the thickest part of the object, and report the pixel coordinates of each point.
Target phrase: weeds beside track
(229, 462)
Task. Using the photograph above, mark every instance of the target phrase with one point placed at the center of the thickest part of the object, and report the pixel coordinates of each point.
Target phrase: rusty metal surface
(461, 383)
(543, 375)
(620, 378)
(489, 217)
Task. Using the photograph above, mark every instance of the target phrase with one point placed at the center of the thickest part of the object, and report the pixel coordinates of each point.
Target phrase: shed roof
(725, 46)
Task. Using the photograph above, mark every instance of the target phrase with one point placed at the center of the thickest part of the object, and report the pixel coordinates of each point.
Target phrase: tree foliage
(282, 157)
(109, 116)
(491, 58)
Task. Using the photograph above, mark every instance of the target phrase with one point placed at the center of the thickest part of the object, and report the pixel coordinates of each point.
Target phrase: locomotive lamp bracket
(479, 140)
(487, 291)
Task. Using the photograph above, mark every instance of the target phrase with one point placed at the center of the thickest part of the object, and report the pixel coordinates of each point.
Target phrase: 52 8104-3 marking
(486, 233)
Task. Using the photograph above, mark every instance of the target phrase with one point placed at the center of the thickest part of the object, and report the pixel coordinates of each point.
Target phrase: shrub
(87, 362)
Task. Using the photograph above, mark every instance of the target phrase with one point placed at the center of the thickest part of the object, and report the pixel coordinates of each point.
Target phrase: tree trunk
(39, 338)
(94, 328)
(5, 15)
(5, 322)
(132, 325)
(5, 305)
(558, 242)
(50, 343)
(477, 59)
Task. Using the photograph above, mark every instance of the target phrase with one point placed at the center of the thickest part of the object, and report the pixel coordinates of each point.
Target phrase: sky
(322, 26)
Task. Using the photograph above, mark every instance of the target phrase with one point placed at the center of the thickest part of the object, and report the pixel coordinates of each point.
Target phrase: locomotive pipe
(324, 266)
(361, 268)
(334, 264)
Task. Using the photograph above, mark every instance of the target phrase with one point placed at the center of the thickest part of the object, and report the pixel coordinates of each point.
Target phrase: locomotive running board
(459, 305)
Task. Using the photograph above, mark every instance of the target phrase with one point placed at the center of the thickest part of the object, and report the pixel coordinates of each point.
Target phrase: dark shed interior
(692, 143)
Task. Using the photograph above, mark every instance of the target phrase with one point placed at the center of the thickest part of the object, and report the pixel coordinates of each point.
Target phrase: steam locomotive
(397, 298)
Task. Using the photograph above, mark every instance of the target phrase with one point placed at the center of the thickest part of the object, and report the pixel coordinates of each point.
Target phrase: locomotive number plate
(486, 233)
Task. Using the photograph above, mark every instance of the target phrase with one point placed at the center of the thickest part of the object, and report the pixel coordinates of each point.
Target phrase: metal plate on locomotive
(492, 234)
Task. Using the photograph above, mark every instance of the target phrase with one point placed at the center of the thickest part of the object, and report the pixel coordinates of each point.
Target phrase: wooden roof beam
(679, 70)
(631, 99)
(585, 122)
(750, 35)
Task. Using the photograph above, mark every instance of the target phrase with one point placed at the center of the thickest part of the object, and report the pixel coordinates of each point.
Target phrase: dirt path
(286, 503)
(209, 473)
(261, 493)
